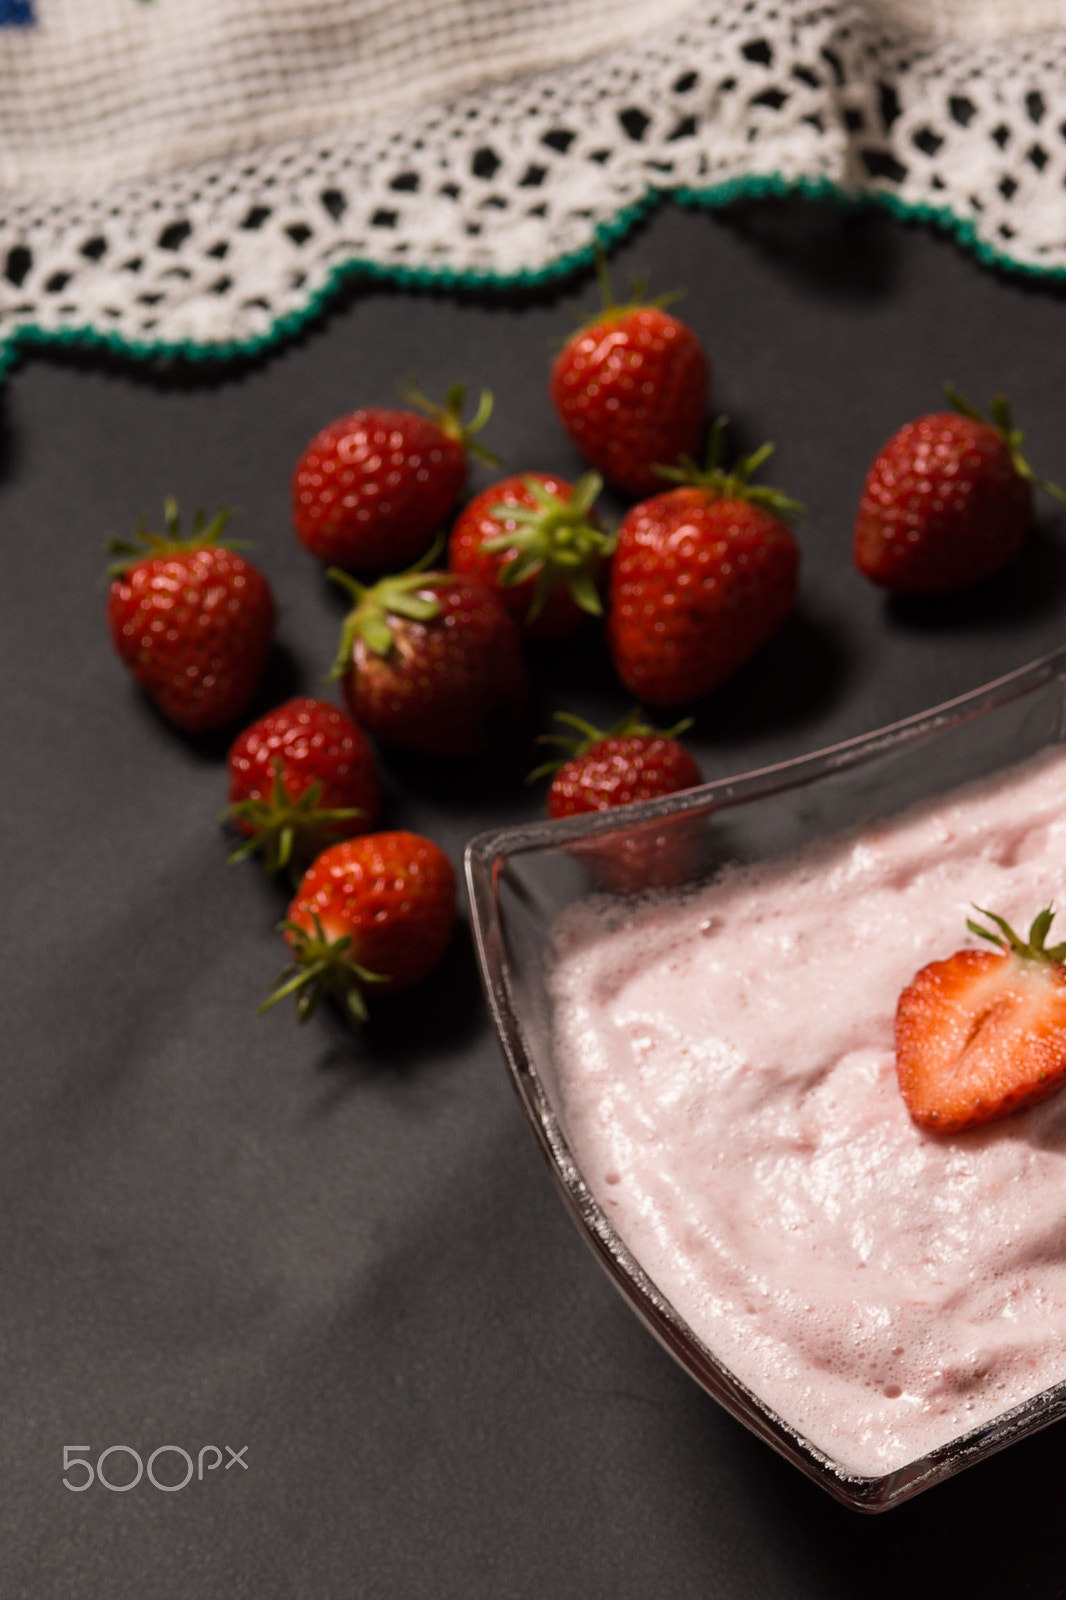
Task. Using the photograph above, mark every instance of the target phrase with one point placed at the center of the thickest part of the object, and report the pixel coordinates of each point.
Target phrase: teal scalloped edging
(25, 338)
(962, 229)
(713, 198)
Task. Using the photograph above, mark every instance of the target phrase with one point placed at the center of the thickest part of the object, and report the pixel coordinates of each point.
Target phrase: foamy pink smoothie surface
(728, 1086)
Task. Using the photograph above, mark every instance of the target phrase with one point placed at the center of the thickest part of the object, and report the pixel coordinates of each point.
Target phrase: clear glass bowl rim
(486, 858)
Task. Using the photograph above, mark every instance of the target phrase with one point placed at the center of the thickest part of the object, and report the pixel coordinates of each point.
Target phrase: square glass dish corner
(522, 879)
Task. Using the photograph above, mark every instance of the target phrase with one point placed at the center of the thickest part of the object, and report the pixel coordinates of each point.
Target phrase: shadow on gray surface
(836, 251)
(933, 1545)
(794, 680)
(1031, 587)
(281, 680)
(405, 1030)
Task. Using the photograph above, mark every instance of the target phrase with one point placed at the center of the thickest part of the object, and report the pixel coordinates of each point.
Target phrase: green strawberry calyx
(1001, 420)
(588, 736)
(612, 310)
(734, 484)
(147, 546)
(322, 966)
(1035, 948)
(402, 594)
(555, 542)
(288, 830)
(449, 417)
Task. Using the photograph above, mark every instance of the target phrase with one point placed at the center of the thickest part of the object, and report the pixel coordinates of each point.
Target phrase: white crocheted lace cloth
(196, 174)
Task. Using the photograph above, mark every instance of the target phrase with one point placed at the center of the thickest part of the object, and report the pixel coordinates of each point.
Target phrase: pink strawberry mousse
(728, 1087)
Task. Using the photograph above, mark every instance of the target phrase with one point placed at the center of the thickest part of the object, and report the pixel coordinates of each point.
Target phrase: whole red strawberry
(702, 576)
(947, 501)
(631, 390)
(631, 761)
(983, 1033)
(533, 538)
(192, 620)
(370, 489)
(377, 911)
(301, 777)
(431, 662)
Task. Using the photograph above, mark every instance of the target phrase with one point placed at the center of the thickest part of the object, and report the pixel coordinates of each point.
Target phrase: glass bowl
(522, 878)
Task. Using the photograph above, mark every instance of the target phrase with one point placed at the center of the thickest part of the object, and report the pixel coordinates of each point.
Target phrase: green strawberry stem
(612, 310)
(631, 726)
(1033, 949)
(1000, 418)
(733, 485)
(288, 830)
(555, 542)
(401, 594)
(448, 417)
(147, 546)
(320, 966)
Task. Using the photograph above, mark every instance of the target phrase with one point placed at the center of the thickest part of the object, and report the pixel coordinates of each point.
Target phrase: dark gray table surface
(219, 1229)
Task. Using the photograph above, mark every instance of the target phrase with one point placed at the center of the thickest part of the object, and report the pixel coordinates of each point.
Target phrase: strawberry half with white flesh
(983, 1033)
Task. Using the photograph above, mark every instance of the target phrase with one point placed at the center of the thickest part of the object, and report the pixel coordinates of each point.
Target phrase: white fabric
(198, 172)
(972, 19)
(102, 90)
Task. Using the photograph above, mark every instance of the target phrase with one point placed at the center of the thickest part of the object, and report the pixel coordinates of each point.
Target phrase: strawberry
(431, 662)
(192, 620)
(983, 1033)
(374, 911)
(631, 388)
(533, 538)
(631, 761)
(370, 489)
(301, 777)
(702, 576)
(947, 501)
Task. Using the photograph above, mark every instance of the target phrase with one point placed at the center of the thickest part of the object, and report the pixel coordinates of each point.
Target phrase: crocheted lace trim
(513, 181)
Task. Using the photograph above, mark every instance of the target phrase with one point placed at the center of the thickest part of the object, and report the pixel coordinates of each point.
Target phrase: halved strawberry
(983, 1033)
